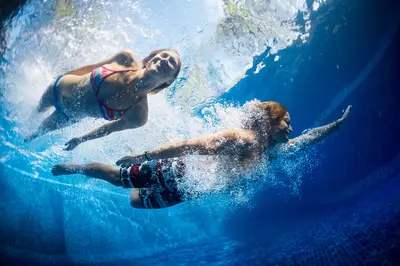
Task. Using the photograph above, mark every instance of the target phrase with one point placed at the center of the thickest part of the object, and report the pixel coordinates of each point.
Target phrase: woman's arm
(227, 142)
(102, 131)
(135, 117)
(317, 134)
(125, 58)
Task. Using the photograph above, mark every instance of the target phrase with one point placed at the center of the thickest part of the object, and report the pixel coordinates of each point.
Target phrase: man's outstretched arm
(319, 133)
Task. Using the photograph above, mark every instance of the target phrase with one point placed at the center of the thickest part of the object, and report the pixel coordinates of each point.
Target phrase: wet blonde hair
(264, 116)
(153, 54)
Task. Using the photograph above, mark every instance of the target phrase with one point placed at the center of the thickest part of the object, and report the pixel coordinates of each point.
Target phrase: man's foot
(65, 169)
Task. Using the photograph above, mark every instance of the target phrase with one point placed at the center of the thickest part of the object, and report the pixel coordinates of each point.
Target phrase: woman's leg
(95, 170)
(52, 122)
(47, 99)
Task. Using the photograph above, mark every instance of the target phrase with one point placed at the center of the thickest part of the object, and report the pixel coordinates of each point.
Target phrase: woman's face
(164, 66)
(284, 129)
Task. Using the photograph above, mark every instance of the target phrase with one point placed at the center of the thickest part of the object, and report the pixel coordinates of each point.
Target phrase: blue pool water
(334, 204)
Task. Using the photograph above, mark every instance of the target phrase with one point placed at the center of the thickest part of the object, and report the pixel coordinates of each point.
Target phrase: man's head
(269, 118)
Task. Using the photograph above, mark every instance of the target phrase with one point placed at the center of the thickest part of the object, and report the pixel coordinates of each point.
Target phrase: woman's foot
(31, 137)
(65, 169)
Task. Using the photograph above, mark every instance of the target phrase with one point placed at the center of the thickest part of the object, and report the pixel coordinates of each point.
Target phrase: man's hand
(129, 160)
(345, 115)
(72, 144)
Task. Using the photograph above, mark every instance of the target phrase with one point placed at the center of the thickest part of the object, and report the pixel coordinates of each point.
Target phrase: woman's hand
(129, 160)
(72, 144)
(345, 115)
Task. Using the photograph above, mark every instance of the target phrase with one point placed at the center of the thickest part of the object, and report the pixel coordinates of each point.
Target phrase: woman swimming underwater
(153, 176)
(115, 89)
